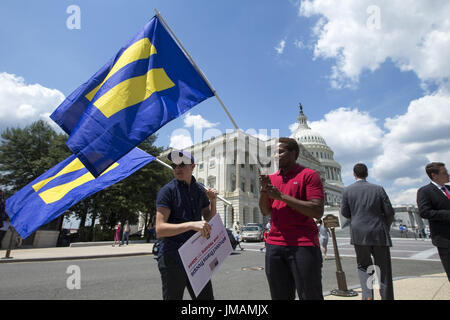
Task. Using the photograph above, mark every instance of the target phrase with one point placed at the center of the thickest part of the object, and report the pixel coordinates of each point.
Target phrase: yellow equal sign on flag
(133, 90)
(141, 49)
(57, 193)
(75, 165)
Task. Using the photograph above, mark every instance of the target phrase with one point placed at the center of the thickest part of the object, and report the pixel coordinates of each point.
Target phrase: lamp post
(225, 214)
(331, 222)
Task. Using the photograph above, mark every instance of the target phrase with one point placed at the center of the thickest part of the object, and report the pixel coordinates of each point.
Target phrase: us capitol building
(231, 164)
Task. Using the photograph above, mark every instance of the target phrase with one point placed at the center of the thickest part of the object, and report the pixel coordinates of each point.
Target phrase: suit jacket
(435, 206)
(370, 212)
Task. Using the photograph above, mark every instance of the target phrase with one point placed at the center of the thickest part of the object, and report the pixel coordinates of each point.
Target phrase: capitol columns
(240, 157)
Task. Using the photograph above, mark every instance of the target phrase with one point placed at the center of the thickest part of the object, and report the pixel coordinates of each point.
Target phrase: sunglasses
(174, 166)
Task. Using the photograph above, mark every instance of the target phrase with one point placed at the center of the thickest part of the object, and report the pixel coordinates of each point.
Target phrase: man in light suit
(371, 214)
(433, 201)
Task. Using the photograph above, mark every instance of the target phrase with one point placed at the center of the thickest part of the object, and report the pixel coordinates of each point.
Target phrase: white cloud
(25, 111)
(202, 130)
(293, 127)
(361, 138)
(360, 141)
(197, 122)
(419, 136)
(180, 139)
(22, 103)
(430, 116)
(403, 197)
(413, 34)
(407, 181)
(280, 47)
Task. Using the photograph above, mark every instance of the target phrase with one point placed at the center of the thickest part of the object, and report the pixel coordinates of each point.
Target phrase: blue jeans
(125, 235)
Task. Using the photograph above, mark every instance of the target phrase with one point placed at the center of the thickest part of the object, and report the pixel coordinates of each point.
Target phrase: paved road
(401, 249)
(138, 277)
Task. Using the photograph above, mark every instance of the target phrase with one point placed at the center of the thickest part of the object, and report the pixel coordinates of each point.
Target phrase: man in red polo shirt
(293, 197)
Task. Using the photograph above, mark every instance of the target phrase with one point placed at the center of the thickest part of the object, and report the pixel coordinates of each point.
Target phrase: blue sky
(373, 80)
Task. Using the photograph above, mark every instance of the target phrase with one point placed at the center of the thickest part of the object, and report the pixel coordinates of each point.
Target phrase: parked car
(255, 233)
(252, 224)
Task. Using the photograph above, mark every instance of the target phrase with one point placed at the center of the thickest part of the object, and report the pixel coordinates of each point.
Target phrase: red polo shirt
(289, 227)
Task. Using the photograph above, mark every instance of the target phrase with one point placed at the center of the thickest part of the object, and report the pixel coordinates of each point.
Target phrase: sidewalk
(89, 251)
(426, 287)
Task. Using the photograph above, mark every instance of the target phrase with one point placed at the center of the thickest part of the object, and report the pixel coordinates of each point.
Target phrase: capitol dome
(316, 145)
(307, 136)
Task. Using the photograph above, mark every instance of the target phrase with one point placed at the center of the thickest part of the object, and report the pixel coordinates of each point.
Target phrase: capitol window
(212, 182)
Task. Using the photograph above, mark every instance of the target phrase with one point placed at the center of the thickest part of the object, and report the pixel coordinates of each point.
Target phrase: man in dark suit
(433, 201)
(371, 214)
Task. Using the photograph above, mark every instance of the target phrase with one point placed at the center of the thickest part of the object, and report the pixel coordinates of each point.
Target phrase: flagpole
(196, 67)
(204, 187)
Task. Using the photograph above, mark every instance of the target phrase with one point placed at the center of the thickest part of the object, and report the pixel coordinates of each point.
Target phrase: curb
(102, 243)
(12, 260)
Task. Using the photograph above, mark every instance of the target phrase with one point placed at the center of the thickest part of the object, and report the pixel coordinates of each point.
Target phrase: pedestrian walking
(150, 232)
(180, 206)
(294, 197)
(117, 229)
(237, 237)
(265, 234)
(237, 227)
(371, 214)
(433, 201)
(268, 225)
(402, 230)
(3, 215)
(4, 218)
(126, 232)
(323, 238)
(3, 230)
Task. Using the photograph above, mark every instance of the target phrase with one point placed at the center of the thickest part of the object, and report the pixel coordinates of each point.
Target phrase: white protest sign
(201, 257)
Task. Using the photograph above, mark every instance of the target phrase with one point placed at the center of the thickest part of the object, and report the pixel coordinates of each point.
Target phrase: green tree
(26, 153)
(135, 194)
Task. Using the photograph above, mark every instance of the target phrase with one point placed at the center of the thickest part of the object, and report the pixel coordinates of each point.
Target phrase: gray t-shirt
(323, 232)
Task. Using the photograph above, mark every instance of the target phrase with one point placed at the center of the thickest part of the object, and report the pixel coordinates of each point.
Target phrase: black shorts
(174, 280)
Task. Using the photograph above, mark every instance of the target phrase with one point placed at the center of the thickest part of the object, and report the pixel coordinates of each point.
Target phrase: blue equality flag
(67, 183)
(148, 83)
